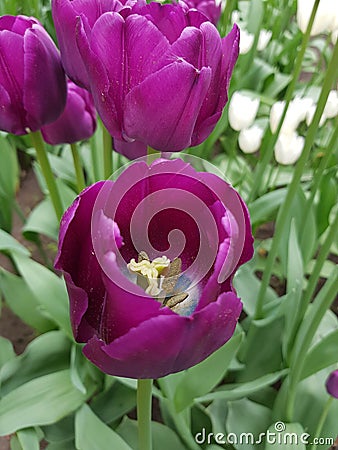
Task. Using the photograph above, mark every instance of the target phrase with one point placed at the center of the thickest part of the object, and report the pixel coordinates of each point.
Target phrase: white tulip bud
(295, 114)
(250, 139)
(288, 148)
(309, 116)
(242, 111)
(245, 42)
(326, 17)
(264, 39)
(331, 107)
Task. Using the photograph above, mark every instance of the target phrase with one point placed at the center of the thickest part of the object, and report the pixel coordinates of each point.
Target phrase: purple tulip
(65, 16)
(159, 74)
(208, 7)
(77, 122)
(32, 80)
(332, 384)
(148, 261)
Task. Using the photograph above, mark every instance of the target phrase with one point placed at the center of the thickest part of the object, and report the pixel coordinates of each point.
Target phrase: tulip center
(159, 278)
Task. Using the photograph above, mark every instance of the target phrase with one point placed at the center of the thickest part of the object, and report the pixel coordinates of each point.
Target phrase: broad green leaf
(23, 302)
(112, 404)
(61, 431)
(266, 206)
(53, 347)
(76, 364)
(327, 199)
(203, 377)
(48, 288)
(241, 390)
(164, 438)
(93, 434)
(64, 445)
(41, 401)
(42, 220)
(322, 355)
(286, 436)
(246, 420)
(295, 263)
(10, 245)
(7, 352)
(28, 439)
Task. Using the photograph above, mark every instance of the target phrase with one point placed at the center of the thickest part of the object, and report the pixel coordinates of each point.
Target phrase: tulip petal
(10, 114)
(65, 19)
(162, 110)
(132, 150)
(45, 88)
(168, 343)
(77, 260)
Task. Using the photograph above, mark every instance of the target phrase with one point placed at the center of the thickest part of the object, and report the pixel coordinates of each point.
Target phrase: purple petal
(131, 150)
(45, 88)
(162, 110)
(167, 343)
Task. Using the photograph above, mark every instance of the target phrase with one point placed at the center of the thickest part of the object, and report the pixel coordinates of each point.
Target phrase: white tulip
(245, 41)
(295, 114)
(235, 16)
(331, 107)
(242, 111)
(288, 148)
(250, 139)
(326, 19)
(309, 116)
(263, 39)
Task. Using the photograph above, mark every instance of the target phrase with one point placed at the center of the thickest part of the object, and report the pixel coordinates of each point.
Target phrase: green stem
(47, 172)
(270, 139)
(152, 155)
(144, 397)
(283, 215)
(322, 421)
(107, 153)
(305, 336)
(80, 181)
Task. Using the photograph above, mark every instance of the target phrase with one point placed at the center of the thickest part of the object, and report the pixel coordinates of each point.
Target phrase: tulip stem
(322, 421)
(107, 153)
(144, 397)
(80, 181)
(47, 172)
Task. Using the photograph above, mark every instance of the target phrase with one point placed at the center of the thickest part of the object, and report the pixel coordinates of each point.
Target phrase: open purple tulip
(159, 74)
(78, 120)
(148, 261)
(332, 384)
(32, 80)
(208, 7)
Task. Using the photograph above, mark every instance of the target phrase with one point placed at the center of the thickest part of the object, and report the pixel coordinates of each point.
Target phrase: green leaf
(92, 434)
(10, 245)
(288, 439)
(246, 420)
(164, 438)
(241, 390)
(23, 302)
(9, 180)
(28, 439)
(48, 288)
(41, 401)
(327, 199)
(76, 364)
(53, 347)
(112, 404)
(42, 220)
(7, 352)
(322, 355)
(203, 377)
(266, 206)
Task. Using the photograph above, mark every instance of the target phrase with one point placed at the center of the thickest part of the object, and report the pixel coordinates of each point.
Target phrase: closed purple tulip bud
(208, 7)
(158, 74)
(32, 80)
(332, 384)
(78, 120)
(148, 262)
(65, 15)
